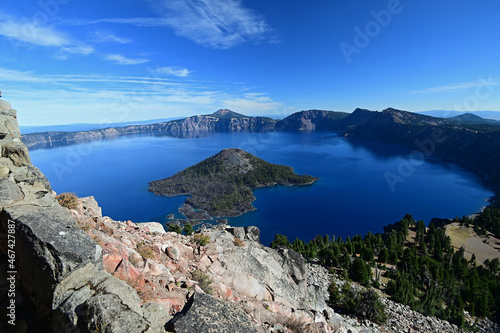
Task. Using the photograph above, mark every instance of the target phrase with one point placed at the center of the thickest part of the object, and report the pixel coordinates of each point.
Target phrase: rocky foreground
(199, 285)
(76, 271)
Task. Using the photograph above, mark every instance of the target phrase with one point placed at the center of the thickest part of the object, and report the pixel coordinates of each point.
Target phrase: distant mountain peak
(226, 113)
(359, 110)
(393, 110)
(470, 118)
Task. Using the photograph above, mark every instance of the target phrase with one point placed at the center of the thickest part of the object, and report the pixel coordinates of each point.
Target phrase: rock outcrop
(58, 268)
(268, 286)
(205, 313)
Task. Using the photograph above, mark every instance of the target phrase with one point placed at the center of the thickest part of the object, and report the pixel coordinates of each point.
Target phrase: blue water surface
(362, 185)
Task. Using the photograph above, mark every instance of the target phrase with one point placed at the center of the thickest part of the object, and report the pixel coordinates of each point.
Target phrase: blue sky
(69, 61)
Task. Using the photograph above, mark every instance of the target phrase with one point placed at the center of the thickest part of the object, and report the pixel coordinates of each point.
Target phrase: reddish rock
(172, 304)
(111, 262)
(126, 271)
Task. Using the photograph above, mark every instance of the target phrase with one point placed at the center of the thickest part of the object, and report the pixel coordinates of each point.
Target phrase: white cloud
(219, 24)
(59, 99)
(176, 71)
(108, 37)
(121, 60)
(481, 82)
(18, 76)
(252, 104)
(31, 33)
(137, 21)
(74, 49)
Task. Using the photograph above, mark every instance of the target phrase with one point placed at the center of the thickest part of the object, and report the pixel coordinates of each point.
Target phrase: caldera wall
(57, 266)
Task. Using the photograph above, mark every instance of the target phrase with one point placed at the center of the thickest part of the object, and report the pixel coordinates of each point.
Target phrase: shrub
(371, 307)
(85, 223)
(239, 242)
(105, 229)
(295, 325)
(139, 284)
(204, 281)
(365, 304)
(201, 239)
(334, 292)
(145, 250)
(298, 326)
(133, 260)
(68, 200)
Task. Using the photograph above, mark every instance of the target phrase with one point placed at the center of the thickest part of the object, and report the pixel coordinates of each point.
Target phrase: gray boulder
(30, 175)
(17, 152)
(293, 263)
(237, 232)
(4, 171)
(157, 316)
(154, 227)
(49, 247)
(252, 233)
(9, 192)
(92, 300)
(249, 233)
(207, 314)
(105, 313)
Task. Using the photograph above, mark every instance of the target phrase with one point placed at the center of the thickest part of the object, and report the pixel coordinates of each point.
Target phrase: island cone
(222, 184)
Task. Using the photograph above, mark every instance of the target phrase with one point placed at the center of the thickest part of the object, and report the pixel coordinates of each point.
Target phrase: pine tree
(174, 228)
(188, 229)
(360, 272)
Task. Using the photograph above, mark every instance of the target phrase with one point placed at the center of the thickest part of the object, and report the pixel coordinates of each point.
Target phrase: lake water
(352, 195)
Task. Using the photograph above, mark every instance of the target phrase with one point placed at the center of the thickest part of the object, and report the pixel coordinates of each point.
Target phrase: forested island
(222, 184)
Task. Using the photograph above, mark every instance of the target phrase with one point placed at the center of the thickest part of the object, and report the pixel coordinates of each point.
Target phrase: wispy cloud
(59, 99)
(121, 60)
(252, 103)
(29, 77)
(26, 33)
(137, 21)
(108, 37)
(481, 82)
(19, 76)
(30, 33)
(74, 49)
(219, 24)
(175, 71)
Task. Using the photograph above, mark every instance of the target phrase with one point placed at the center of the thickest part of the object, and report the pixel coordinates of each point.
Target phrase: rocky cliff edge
(61, 285)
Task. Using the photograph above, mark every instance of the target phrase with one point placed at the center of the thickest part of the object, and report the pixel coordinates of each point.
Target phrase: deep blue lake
(352, 195)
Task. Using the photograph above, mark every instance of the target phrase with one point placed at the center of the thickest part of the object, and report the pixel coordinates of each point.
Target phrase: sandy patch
(473, 243)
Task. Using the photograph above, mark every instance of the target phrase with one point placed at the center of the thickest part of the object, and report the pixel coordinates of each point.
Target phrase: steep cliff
(220, 121)
(60, 285)
(311, 120)
(475, 146)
